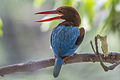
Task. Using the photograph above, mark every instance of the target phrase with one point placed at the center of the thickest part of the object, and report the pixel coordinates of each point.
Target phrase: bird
(66, 36)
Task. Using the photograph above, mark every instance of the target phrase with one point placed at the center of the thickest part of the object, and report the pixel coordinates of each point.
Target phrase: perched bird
(66, 37)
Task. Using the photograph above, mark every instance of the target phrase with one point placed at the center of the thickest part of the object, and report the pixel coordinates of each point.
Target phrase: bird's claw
(74, 54)
(54, 57)
(67, 57)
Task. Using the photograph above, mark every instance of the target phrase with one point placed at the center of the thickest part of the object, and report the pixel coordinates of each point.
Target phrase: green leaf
(108, 3)
(106, 22)
(1, 31)
(68, 2)
(112, 21)
(115, 21)
(89, 9)
(38, 3)
(116, 2)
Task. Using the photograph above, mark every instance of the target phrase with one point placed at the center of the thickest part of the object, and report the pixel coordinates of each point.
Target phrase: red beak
(49, 12)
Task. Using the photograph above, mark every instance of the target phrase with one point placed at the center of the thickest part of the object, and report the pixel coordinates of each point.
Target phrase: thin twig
(111, 67)
(114, 65)
(96, 45)
(99, 56)
(92, 46)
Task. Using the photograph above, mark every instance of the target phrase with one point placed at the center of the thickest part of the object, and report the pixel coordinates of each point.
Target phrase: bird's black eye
(60, 11)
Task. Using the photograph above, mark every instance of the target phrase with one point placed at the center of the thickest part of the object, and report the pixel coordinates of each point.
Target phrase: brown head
(69, 14)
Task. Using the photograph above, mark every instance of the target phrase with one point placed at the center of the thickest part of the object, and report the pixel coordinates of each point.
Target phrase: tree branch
(35, 65)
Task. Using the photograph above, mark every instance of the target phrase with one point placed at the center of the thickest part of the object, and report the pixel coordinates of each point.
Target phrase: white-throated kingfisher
(66, 37)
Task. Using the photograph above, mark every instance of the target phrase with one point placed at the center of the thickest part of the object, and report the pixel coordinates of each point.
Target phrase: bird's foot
(54, 57)
(74, 53)
(67, 57)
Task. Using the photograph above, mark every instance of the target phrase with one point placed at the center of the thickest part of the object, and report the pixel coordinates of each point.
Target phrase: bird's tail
(57, 67)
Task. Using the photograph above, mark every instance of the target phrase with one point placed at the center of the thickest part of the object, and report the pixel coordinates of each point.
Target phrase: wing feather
(63, 40)
(80, 38)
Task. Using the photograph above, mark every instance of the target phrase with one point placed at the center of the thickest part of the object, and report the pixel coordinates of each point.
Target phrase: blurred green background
(23, 40)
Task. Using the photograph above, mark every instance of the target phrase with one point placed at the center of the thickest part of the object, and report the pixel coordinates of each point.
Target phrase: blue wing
(63, 40)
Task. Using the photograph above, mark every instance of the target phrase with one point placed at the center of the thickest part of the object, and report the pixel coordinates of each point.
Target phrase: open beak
(49, 12)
